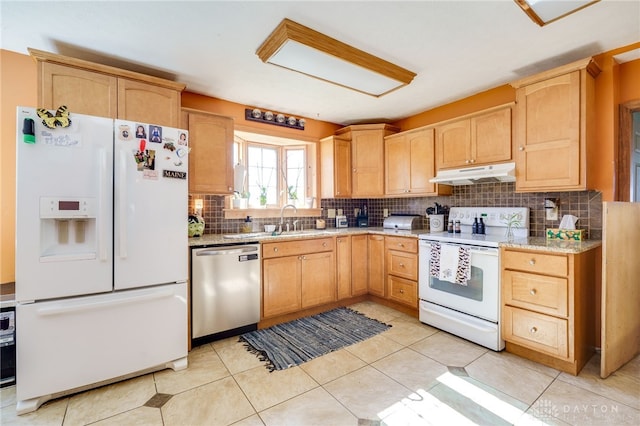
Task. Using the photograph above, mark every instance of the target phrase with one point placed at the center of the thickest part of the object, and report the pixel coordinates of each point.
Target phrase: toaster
(341, 221)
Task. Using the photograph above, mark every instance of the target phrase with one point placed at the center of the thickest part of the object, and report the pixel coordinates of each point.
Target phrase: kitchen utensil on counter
(436, 223)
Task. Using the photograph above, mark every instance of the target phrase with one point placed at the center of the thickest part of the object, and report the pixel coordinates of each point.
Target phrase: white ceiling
(457, 48)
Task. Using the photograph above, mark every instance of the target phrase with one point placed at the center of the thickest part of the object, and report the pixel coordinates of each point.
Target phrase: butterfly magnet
(61, 119)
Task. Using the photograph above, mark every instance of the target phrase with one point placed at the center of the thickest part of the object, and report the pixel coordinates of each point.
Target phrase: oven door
(480, 297)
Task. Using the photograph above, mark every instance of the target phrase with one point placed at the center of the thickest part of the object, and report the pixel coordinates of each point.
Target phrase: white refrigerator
(101, 252)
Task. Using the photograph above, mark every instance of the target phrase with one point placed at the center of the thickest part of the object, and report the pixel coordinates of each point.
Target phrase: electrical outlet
(331, 213)
(385, 213)
(340, 212)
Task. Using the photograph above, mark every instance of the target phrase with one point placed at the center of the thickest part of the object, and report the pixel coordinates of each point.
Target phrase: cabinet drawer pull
(401, 291)
(275, 249)
(532, 262)
(402, 265)
(401, 245)
(533, 330)
(324, 244)
(533, 291)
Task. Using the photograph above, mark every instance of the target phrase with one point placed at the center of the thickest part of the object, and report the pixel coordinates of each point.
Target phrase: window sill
(269, 212)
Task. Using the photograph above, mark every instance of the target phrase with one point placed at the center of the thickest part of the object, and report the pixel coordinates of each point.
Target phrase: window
(262, 175)
(276, 174)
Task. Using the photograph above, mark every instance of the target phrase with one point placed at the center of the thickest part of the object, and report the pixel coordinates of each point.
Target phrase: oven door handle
(486, 251)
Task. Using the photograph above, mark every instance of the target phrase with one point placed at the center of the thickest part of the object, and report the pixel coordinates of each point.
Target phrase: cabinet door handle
(304, 257)
(521, 148)
(401, 291)
(401, 245)
(533, 330)
(354, 170)
(402, 265)
(533, 292)
(472, 161)
(532, 262)
(466, 161)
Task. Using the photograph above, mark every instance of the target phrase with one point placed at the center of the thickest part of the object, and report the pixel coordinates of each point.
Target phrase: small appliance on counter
(362, 220)
(402, 222)
(341, 221)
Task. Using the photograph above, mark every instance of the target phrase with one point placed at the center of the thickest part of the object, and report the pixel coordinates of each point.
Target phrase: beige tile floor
(411, 374)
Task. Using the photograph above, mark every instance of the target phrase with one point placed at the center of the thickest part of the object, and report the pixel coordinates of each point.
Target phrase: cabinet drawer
(540, 293)
(541, 263)
(403, 291)
(402, 264)
(292, 248)
(410, 245)
(539, 332)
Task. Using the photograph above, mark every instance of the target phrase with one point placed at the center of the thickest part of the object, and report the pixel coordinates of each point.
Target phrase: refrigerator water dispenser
(67, 228)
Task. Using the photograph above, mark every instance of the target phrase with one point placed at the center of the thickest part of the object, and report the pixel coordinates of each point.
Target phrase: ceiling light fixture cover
(298, 48)
(543, 12)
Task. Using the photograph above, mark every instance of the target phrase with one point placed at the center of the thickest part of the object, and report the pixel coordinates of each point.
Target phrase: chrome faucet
(295, 209)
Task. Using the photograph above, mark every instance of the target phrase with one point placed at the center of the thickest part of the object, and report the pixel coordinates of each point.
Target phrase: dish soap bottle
(474, 227)
(247, 226)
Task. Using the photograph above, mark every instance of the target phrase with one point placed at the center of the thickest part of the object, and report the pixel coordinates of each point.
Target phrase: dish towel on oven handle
(450, 263)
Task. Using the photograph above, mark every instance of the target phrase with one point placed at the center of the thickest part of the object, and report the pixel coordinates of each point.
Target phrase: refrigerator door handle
(122, 194)
(103, 205)
(103, 304)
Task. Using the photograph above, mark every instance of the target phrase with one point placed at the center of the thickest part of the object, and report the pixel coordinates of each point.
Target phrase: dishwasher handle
(223, 251)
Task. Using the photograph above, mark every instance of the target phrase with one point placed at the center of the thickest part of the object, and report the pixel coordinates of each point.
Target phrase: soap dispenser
(247, 226)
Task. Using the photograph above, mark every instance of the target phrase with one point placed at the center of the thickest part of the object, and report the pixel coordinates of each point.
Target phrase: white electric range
(469, 309)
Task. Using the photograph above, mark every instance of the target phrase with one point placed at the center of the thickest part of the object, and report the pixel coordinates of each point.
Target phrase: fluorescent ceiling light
(298, 48)
(543, 12)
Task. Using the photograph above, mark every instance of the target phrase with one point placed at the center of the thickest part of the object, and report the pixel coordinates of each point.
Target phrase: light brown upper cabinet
(335, 166)
(211, 155)
(410, 163)
(367, 157)
(554, 123)
(482, 138)
(95, 89)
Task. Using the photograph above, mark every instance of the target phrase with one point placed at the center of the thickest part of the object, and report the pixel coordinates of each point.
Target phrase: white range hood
(505, 172)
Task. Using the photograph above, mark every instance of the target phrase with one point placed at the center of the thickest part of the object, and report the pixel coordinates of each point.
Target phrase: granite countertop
(530, 243)
(558, 246)
(219, 239)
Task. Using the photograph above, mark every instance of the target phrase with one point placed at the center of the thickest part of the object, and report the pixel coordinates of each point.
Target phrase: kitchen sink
(284, 234)
(245, 236)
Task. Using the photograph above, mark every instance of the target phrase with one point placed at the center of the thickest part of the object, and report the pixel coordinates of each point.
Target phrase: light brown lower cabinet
(359, 265)
(548, 304)
(297, 274)
(401, 264)
(376, 265)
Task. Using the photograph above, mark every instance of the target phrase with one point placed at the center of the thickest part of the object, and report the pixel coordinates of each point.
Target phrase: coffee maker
(362, 220)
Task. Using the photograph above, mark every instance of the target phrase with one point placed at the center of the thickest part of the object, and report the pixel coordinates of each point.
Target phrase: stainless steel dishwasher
(225, 291)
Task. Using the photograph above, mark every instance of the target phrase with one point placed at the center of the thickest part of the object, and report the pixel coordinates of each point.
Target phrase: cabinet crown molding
(588, 64)
(42, 56)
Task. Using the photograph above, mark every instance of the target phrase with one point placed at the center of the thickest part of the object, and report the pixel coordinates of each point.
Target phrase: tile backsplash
(586, 205)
